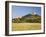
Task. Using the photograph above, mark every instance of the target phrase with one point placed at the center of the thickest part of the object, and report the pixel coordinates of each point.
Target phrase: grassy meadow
(25, 26)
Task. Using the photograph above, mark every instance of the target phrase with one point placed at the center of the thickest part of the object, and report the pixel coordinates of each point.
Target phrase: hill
(29, 18)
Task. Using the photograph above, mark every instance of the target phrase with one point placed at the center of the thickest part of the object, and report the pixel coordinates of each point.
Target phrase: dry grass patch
(25, 26)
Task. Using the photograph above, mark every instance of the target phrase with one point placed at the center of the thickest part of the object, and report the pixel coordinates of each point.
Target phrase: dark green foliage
(28, 19)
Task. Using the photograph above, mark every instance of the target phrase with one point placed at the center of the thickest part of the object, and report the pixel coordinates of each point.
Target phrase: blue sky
(23, 10)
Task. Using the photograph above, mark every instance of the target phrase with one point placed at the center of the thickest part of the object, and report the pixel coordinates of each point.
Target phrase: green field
(25, 26)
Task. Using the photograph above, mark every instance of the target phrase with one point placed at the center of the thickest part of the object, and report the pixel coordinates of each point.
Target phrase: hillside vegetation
(29, 18)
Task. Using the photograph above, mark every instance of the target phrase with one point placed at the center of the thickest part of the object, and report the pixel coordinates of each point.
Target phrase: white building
(33, 13)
